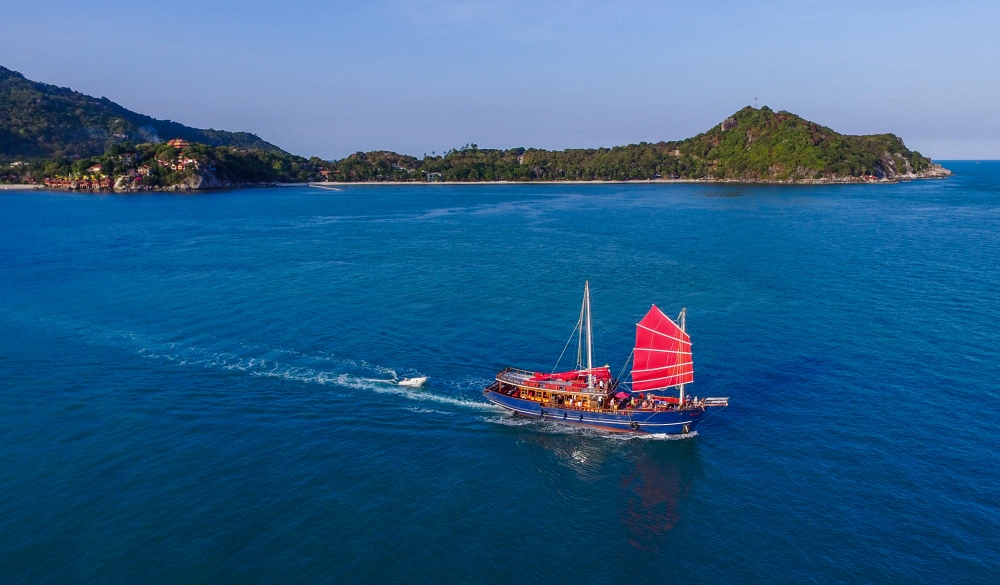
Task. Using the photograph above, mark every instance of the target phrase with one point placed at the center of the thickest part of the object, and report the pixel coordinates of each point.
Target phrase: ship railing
(515, 375)
(510, 370)
(512, 386)
(688, 405)
(497, 387)
(623, 410)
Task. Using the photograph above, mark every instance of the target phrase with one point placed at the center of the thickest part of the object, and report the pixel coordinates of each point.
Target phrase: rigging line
(579, 343)
(626, 364)
(709, 414)
(565, 347)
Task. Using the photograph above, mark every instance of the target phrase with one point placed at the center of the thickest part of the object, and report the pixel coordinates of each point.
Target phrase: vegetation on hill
(47, 132)
(38, 120)
(751, 145)
(760, 144)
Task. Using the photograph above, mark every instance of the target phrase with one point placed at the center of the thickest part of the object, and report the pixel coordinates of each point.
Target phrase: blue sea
(197, 388)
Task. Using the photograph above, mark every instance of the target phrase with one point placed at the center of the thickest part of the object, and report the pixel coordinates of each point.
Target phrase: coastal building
(85, 184)
(179, 143)
(94, 168)
(183, 163)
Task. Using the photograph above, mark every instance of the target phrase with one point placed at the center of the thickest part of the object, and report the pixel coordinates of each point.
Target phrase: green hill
(752, 145)
(48, 132)
(760, 144)
(38, 120)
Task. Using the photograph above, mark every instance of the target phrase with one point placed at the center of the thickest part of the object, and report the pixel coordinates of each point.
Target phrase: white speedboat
(413, 382)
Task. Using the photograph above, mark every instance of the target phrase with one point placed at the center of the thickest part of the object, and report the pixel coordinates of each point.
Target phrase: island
(64, 139)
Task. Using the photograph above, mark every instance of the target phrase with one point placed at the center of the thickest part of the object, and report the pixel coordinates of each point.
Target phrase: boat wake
(310, 368)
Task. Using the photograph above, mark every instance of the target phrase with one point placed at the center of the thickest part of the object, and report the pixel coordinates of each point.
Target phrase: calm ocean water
(193, 387)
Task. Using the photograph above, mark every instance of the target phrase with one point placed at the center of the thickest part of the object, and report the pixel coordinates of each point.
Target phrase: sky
(417, 76)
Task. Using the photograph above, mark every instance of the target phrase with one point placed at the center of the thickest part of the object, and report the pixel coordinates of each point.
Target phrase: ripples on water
(198, 389)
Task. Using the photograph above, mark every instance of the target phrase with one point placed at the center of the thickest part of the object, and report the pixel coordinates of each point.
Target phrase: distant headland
(64, 139)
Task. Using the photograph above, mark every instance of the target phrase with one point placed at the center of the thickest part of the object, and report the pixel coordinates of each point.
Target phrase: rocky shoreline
(186, 188)
(208, 180)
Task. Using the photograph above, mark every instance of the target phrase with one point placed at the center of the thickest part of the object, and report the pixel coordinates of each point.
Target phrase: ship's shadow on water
(642, 482)
(653, 492)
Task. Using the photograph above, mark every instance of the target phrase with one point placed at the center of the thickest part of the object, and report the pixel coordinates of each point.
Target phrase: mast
(683, 323)
(579, 337)
(590, 336)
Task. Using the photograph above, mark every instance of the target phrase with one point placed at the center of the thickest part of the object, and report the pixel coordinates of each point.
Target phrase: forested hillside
(751, 145)
(41, 120)
(71, 140)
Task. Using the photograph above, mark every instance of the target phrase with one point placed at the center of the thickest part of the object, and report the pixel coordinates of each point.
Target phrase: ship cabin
(586, 389)
(577, 391)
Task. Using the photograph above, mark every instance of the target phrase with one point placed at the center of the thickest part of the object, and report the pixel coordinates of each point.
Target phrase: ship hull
(670, 422)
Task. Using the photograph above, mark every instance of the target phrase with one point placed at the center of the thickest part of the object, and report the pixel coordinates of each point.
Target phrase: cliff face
(202, 178)
(894, 166)
(41, 120)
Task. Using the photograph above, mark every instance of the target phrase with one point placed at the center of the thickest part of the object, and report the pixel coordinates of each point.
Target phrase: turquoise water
(193, 387)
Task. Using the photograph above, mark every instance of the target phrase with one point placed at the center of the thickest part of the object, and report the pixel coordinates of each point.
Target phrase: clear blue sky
(331, 78)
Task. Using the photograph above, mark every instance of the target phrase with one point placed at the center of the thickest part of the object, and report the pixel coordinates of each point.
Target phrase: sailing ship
(590, 396)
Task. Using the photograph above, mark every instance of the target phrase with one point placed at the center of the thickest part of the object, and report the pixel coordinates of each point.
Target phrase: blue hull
(670, 422)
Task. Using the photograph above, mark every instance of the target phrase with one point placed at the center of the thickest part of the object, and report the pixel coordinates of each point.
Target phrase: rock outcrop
(201, 179)
(896, 167)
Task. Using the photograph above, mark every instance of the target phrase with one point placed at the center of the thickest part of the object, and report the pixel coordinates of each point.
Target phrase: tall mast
(683, 323)
(579, 338)
(590, 336)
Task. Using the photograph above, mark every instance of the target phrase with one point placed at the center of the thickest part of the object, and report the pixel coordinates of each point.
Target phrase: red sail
(662, 353)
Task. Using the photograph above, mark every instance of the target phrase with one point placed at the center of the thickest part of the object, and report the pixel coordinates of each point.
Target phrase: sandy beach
(825, 181)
